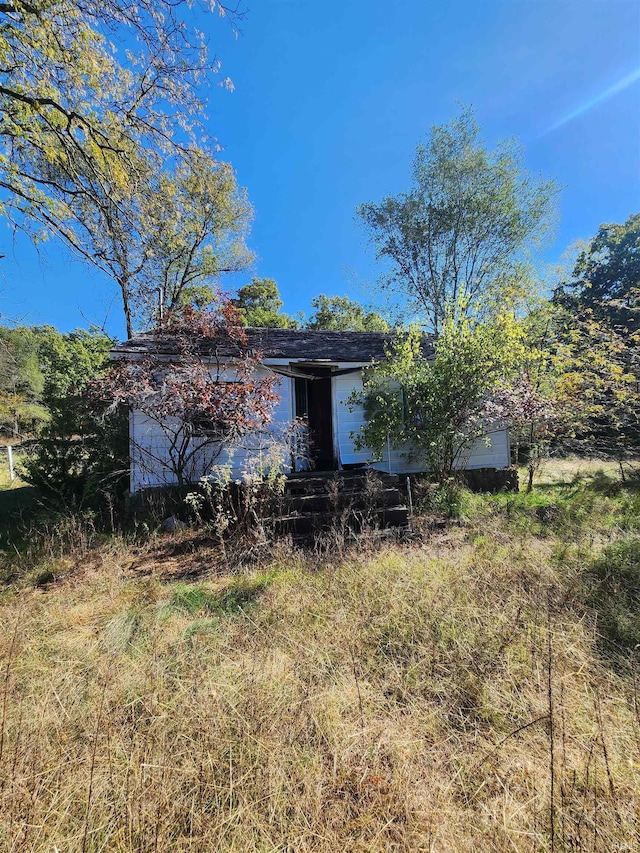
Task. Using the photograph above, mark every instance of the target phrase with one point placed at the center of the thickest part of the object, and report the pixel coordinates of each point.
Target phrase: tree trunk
(531, 468)
(126, 305)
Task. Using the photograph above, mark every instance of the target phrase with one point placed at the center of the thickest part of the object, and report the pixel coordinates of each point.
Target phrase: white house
(318, 372)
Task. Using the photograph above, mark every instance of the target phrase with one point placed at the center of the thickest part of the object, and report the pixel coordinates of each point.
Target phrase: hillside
(470, 689)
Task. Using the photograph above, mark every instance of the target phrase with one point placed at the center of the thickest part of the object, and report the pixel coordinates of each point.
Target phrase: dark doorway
(313, 402)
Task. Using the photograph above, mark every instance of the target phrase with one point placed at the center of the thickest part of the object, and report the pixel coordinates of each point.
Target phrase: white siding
(149, 445)
(491, 452)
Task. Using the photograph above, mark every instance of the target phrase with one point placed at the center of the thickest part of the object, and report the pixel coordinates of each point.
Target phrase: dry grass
(444, 696)
(565, 470)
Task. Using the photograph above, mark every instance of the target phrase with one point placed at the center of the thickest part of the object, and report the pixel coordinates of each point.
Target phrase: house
(318, 373)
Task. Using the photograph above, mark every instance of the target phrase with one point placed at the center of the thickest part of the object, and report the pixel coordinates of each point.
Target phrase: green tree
(78, 456)
(339, 313)
(458, 239)
(165, 235)
(597, 384)
(575, 392)
(598, 342)
(259, 304)
(606, 277)
(21, 382)
(429, 398)
(69, 360)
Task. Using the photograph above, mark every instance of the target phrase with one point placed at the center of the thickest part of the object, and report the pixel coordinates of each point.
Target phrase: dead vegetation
(448, 694)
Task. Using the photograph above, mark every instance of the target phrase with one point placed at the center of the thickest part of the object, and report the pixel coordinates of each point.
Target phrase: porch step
(306, 525)
(347, 498)
(315, 502)
(314, 482)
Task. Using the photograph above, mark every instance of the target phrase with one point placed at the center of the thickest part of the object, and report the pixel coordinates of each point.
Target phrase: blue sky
(330, 101)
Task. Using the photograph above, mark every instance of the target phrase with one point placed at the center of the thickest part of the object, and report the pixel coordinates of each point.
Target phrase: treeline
(41, 373)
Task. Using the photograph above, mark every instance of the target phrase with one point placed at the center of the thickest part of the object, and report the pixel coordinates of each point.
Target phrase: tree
(339, 313)
(41, 373)
(76, 456)
(597, 385)
(457, 240)
(433, 405)
(94, 97)
(606, 277)
(599, 339)
(187, 391)
(574, 392)
(163, 235)
(68, 361)
(533, 419)
(21, 382)
(258, 304)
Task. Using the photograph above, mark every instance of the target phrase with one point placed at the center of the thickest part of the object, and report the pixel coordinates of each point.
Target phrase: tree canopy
(21, 382)
(457, 239)
(88, 82)
(433, 407)
(41, 373)
(164, 236)
(100, 110)
(606, 277)
(259, 304)
(341, 314)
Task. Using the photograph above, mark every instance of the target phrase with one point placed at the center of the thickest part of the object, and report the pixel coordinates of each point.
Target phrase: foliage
(578, 390)
(41, 371)
(77, 457)
(458, 238)
(434, 407)
(341, 314)
(21, 382)
(259, 304)
(186, 389)
(606, 277)
(98, 99)
(532, 417)
(583, 375)
(598, 342)
(68, 361)
(162, 236)
(597, 384)
(80, 459)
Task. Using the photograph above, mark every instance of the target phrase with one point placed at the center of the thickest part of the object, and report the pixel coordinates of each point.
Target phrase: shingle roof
(306, 344)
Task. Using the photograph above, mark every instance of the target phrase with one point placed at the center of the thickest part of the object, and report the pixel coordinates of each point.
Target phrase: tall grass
(447, 695)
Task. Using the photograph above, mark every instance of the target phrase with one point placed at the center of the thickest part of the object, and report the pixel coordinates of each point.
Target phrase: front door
(313, 402)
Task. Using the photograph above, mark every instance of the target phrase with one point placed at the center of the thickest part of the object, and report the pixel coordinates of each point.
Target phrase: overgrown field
(471, 689)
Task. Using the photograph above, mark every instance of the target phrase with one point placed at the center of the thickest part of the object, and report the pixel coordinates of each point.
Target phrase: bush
(80, 458)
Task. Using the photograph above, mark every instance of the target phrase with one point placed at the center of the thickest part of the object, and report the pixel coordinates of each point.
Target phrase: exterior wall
(149, 445)
(493, 452)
